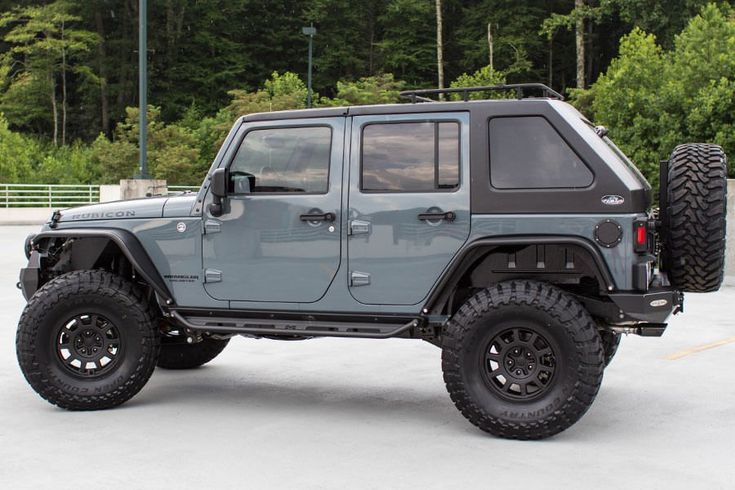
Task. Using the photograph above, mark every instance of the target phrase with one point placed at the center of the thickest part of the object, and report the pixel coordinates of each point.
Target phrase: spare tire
(693, 217)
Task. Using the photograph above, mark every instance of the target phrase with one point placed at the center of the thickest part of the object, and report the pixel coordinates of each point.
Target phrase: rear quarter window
(528, 153)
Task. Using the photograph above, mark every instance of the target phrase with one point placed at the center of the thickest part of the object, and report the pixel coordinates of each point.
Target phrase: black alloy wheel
(88, 345)
(522, 359)
(88, 340)
(519, 364)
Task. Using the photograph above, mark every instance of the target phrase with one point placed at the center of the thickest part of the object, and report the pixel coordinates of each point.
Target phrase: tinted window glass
(410, 157)
(448, 153)
(528, 153)
(283, 160)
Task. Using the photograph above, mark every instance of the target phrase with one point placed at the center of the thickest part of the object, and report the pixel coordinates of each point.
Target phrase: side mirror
(218, 187)
(219, 183)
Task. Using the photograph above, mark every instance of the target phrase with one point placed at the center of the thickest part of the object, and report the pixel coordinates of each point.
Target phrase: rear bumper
(653, 306)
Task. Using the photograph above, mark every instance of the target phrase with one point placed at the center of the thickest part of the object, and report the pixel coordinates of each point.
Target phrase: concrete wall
(25, 216)
(135, 188)
(110, 193)
(730, 241)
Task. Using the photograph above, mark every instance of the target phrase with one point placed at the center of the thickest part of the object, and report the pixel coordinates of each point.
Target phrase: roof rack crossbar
(519, 88)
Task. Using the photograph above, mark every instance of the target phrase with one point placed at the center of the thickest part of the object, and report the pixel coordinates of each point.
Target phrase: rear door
(408, 203)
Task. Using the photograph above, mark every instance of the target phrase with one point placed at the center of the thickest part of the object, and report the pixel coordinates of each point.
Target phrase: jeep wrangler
(511, 233)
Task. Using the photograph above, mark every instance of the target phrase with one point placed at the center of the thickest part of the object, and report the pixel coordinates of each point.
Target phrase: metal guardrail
(176, 189)
(47, 195)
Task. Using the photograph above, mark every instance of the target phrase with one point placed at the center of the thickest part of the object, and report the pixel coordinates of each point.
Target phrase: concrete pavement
(347, 413)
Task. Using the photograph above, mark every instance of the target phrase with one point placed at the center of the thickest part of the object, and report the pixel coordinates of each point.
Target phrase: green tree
(696, 104)
(17, 154)
(653, 99)
(511, 27)
(280, 92)
(626, 99)
(483, 77)
(173, 152)
(378, 89)
(46, 48)
(408, 46)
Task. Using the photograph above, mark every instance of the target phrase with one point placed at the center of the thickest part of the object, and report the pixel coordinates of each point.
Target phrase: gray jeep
(513, 234)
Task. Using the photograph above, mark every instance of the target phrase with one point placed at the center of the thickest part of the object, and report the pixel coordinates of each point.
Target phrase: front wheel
(522, 360)
(87, 340)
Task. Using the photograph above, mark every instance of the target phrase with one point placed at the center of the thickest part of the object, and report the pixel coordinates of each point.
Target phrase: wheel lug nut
(519, 372)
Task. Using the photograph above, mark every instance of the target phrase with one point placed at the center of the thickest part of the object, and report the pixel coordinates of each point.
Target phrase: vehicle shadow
(214, 388)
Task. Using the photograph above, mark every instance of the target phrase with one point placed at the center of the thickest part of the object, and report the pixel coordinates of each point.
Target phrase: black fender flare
(129, 245)
(475, 249)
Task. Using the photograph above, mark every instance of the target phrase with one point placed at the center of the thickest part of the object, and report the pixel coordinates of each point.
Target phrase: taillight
(640, 234)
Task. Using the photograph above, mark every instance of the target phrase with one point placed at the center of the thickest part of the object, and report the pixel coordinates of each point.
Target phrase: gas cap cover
(608, 233)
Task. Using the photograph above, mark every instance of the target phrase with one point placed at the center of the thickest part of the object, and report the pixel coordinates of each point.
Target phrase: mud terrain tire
(87, 340)
(545, 336)
(694, 218)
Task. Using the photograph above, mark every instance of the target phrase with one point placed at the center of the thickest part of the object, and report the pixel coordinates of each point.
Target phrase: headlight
(28, 245)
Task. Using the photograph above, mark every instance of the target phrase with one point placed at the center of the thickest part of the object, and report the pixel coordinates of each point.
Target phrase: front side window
(410, 157)
(528, 153)
(283, 160)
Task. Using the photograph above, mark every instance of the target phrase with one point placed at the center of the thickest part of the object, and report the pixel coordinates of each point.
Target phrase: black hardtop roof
(407, 108)
(421, 102)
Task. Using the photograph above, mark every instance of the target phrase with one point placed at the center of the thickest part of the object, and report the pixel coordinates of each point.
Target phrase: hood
(131, 209)
(179, 206)
(146, 208)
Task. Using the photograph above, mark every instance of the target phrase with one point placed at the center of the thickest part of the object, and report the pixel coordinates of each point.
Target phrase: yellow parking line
(700, 348)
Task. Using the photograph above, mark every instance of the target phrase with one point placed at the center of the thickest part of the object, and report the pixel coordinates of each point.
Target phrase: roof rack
(519, 88)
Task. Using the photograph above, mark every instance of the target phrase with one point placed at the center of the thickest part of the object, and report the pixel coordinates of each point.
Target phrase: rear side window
(283, 160)
(410, 157)
(528, 153)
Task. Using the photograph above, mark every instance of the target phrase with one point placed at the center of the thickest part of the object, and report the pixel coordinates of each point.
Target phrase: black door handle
(448, 216)
(318, 217)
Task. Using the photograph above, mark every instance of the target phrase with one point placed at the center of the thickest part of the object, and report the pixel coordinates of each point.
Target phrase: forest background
(655, 72)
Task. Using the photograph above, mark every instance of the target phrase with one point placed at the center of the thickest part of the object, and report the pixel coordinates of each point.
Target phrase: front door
(279, 237)
(408, 203)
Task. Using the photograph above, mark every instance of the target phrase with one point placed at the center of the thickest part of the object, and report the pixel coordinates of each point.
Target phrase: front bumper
(30, 276)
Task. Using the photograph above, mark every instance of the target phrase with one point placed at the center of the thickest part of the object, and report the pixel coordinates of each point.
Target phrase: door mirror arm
(218, 187)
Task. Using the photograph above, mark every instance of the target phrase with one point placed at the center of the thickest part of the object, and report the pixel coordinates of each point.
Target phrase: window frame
(534, 189)
(294, 126)
(436, 189)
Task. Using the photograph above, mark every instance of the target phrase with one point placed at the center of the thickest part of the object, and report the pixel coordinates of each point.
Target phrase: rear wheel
(87, 340)
(610, 343)
(694, 217)
(176, 353)
(522, 360)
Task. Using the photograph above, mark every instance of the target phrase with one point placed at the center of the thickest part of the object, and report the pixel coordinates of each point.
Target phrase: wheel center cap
(88, 344)
(520, 362)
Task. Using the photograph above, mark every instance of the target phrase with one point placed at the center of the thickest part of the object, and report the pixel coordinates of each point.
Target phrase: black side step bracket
(266, 326)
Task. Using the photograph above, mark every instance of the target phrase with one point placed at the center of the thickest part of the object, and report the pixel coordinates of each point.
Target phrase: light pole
(311, 32)
(143, 85)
